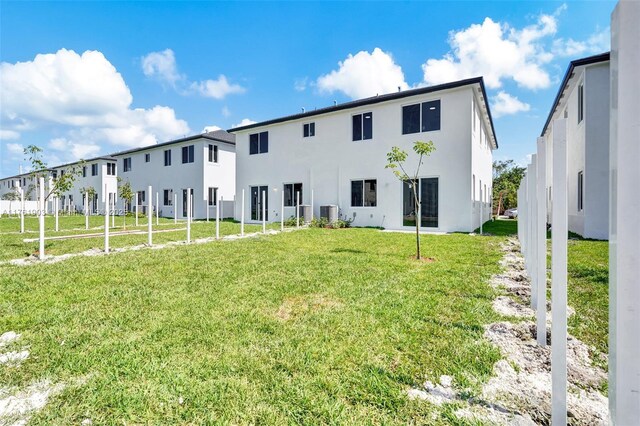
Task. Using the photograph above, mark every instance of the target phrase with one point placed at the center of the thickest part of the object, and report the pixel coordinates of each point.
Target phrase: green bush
(319, 222)
(291, 221)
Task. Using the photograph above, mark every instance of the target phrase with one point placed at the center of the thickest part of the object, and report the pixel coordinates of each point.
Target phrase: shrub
(319, 222)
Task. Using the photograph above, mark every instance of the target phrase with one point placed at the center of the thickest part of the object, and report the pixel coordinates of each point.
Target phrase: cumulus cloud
(162, 66)
(210, 129)
(15, 148)
(497, 52)
(364, 74)
(73, 150)
(9, 134)
(84, 96)
(505, 104)
(244, 122)
(598, 42)
(300, 85)
(217, 89)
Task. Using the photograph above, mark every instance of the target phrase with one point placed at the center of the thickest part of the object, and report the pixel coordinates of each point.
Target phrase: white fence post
(624, 227)
(86, 212)
(56, 207)
(149, 217)
(175, 209)
(217, 217)
(106, 220)
(188, 215)
(559, 275)
(282, 211)
(136, 207)
(312, 205)
(242, 216)
(298, 209)
(157, 209)
(533, 237)
(541, 241)
(264, 212)
(41, 218)
(481, 207)
(206, 203)
(21, 210)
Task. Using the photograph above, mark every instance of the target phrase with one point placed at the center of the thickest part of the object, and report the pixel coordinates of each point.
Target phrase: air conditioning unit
(329, 212)
(305, 213)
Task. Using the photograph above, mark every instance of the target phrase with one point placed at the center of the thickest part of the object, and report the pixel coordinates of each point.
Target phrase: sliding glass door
(256, 202)
(428, 194)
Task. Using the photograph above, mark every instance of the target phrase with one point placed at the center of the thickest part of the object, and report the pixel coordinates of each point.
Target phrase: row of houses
(332, 156)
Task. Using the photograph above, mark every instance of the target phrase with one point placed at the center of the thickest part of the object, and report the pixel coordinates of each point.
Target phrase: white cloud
(497, 52)
(217, 89)
(211, 129)
(15, 148)
(300, 85)
(161, 65)
(9, 134)
(71, 151)
(226, 112)
(598, 42)
(244, 122)
(364, 74)
(505, 104)
(59, 90)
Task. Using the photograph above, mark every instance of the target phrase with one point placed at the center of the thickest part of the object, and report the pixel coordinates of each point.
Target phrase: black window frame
(126, 164)
(213, 153)
(580, 190)
(212, 195)
(362, 126)
(309, 130)
(290, 191)
(580, 103)
(363, 198)
(167, 157)
(259, 143)
(147, 157)
(428, 117)
(111, 169)
(84, 171)
(188, 154)
(167, 197)
(94, 169)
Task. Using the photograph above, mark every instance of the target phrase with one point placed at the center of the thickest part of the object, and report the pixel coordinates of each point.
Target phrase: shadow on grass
(499, 227)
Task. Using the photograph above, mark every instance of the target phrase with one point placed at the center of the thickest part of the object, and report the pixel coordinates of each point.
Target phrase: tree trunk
(417, 210)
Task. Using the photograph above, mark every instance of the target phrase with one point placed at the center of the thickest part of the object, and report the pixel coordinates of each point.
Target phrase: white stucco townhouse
(339, 154)
(583, 99)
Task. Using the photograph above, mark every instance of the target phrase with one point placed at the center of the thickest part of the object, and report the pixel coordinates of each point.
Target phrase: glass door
(256, 202)
(428, 190)
(185, 199)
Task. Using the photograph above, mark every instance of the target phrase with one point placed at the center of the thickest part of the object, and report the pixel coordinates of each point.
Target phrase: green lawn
(311, 327)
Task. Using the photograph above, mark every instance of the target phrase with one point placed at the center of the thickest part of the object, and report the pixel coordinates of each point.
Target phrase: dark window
(141, 197)
(364, 193)
(213, 196)
(126, 164)
(580, 191)
(291, 191)
(84, 171)
(147, 158)
(580, 103)
(213, 153)
(94, 170)
(111, 169)
(187, 154)
(431, 116)
(167, 157)
(362, 126)
(309, 130)
(167, 195)
(259, 143)
(411, 119)
(428, 191)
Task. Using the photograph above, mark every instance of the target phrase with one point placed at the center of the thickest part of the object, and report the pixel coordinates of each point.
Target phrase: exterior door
(428, 190)
(185, 199)
(256, 202)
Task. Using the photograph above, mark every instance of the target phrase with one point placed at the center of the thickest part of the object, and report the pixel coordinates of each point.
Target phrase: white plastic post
(533, 237)
(106, 220)
(217, 218)
(541, 240)
(298, 209)
(312, 204)
(56, 208)
(242, 216)
(136, 207)
(41, 218)
(206, 203)
(282, 211)
(175, 209)
(21, 210)
(624, 228)
(481, 199)
(157, 209)
(264, 212)
(113, 210)
(559, 276)
(149, 217)
(86, 210)
(188, 215)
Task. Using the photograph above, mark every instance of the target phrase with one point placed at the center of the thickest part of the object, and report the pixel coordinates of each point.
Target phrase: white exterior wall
(199, 175)
(481, 167)
(98, 183)
(327, 162)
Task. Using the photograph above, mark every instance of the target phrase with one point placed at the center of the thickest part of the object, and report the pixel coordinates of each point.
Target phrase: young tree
(506, 179)
(396, 160)
(62, 183)
(126, 193)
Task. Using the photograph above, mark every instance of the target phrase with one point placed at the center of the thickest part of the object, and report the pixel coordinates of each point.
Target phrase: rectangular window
(410, 119)
(291, 191)
(141, 197)
(213, 153)
(213, 196)
(167, 195)
(147, 158)
(309, 130)
(580, 103)
(126, 164)
(428, 199)
(167, 157)
(111, 169)
(84, 171)
(363, 193)
(362, 126)
(580, 191)
(431, 116)
(258, 143)
(187, 154)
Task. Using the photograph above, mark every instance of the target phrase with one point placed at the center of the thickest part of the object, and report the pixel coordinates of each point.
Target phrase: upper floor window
(259, 143)
(111, 169)
(187, 154)
(362, 126)
(309, 130)
(580, 103)
(213, 153)
(147, 158)
(291, 191)
(84, 171)
(94, 170)
(580, 191)
(363, 193)
(126, 164)
(167, 157)
(424, 117)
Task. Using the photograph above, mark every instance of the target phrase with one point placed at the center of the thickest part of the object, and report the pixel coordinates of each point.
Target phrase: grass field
(315, 326)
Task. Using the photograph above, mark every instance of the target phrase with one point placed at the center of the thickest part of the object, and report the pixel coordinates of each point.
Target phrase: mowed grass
(13, 246)
(309, 327)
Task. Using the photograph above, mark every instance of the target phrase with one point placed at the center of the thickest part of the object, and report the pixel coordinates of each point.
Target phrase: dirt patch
(297, 306)
(16, 407)
(423, 259)
(8, 338)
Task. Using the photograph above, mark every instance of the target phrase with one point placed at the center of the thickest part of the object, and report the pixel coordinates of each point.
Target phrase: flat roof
(589, 60)
(216, 135)
(377, 99)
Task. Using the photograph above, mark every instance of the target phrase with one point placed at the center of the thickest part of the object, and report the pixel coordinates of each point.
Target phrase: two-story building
(337, 156)
(583, 99)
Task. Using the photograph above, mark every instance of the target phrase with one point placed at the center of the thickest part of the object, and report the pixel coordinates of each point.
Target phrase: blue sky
(91, 78)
